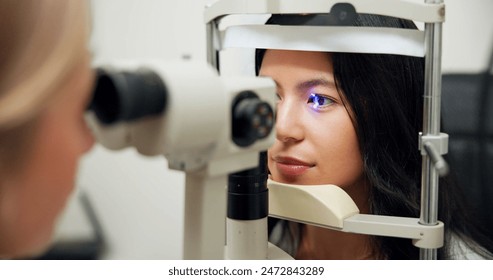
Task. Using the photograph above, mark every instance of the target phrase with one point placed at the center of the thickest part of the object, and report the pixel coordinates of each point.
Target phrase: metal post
(205, 216)
(431, 126)
(212, 52)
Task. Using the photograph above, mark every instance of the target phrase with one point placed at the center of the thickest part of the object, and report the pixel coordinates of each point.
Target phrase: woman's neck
(326, 244)
(322, 243)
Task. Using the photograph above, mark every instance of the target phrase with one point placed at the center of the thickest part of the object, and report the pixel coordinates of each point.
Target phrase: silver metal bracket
(439, 142)
(435, 146)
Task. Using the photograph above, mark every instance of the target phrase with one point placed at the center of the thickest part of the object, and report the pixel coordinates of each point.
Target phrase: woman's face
(316, 141)
(32, 199)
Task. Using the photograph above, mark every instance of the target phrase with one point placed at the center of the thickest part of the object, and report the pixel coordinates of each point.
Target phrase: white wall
(467, 35)
(138, 200)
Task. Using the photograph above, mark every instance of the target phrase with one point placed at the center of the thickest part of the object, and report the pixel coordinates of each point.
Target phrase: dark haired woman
(353, 120)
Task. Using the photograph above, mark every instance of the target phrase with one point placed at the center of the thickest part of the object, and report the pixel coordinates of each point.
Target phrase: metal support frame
(431, 127)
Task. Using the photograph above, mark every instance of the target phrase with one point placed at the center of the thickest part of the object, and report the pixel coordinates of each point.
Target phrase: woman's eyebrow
(305, 85)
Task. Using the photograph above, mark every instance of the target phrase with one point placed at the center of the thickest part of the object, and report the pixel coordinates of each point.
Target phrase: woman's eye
(318, 101)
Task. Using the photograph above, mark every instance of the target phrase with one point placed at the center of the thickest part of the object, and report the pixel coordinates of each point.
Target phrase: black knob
(253, 119)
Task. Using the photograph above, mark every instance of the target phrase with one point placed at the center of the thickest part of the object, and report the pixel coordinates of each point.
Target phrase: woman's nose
(288, 122)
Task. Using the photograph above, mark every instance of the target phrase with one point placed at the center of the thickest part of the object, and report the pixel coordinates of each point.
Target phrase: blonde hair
(41, 44)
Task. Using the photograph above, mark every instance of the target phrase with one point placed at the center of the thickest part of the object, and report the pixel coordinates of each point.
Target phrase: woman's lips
(290, 167)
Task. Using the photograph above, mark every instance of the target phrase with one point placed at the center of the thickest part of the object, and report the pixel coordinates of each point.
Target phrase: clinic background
(136, 200)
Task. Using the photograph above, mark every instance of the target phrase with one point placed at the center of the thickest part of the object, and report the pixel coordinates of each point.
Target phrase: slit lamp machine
(215, 128)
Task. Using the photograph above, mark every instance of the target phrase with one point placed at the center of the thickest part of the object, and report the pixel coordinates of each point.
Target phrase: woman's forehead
(297, 66)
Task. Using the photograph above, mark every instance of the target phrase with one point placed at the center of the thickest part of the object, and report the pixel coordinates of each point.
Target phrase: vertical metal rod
(431, 126)
(212, 52)
(209, 30)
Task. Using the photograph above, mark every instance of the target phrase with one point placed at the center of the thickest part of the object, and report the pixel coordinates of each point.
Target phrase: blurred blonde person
(45, 86)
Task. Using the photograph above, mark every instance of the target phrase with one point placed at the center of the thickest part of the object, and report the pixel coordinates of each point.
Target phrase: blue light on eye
(317, 100)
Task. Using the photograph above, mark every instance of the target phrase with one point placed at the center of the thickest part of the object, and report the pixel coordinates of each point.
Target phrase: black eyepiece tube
(127, 95)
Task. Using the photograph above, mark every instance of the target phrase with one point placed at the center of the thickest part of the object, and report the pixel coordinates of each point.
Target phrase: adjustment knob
(253, 119)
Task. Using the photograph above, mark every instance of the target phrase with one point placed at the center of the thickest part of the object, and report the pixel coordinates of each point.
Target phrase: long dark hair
(385, 95)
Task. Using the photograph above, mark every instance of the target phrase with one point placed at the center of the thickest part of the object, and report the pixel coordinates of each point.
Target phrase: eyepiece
(127, 96)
